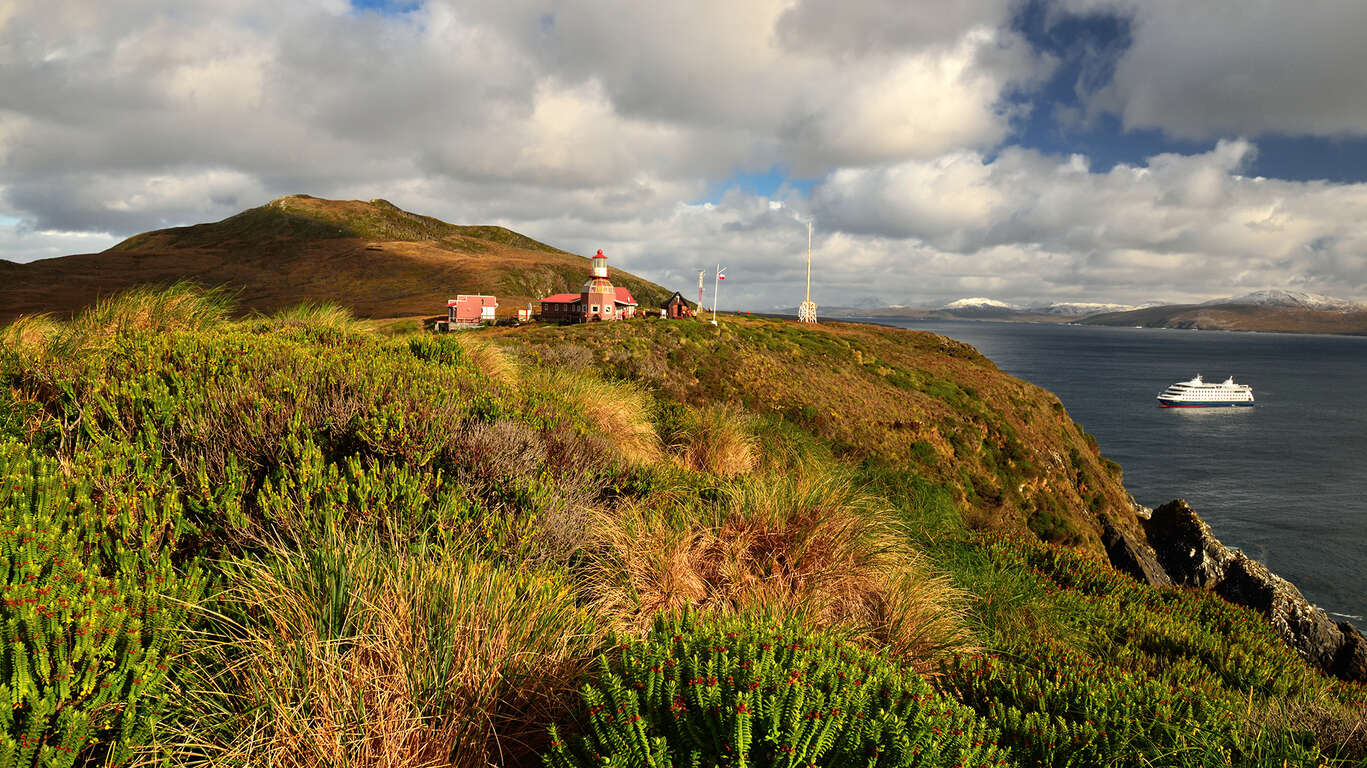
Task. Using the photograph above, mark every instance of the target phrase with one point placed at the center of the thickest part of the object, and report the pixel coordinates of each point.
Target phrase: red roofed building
(599, 299)
(470, 310)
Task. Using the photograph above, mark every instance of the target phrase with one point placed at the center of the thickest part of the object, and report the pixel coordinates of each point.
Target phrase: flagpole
(716, 286)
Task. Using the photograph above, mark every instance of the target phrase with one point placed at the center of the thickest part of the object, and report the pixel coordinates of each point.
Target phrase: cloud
(605, 123)
(1206, 70)
(604, 99)
(1133, 232)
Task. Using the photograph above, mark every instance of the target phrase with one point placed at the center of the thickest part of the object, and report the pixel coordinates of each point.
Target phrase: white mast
(807, 312)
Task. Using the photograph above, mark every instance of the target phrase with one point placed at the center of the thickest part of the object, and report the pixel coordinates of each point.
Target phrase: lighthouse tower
(599, 298)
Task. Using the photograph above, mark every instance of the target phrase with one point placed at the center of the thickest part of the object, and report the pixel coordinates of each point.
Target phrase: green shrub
(725, 691)
(1109, 671)
(91, 613)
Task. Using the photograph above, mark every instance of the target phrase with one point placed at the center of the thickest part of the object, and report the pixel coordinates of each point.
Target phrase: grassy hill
(925, 410)
(294, 540)
(1236, 318)
(370, 257)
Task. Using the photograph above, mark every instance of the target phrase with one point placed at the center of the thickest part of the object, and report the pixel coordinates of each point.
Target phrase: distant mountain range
(370, 257)
(1267, 310)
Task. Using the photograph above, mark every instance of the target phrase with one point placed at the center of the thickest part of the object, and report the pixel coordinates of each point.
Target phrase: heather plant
(91, 613)
(709, 691)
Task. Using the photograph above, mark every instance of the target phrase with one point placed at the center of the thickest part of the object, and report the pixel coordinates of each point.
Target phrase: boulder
(1132, 555)
(1179, 548)
(1185, 547)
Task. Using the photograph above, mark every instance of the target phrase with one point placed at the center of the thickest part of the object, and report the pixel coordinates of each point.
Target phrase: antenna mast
(807, 312)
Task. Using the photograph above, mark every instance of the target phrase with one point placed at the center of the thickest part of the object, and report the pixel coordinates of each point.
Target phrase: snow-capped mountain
(978, 302)
(1293, 299)
(1081, 308)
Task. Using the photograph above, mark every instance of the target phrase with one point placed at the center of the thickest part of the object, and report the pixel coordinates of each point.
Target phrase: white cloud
(601, 123)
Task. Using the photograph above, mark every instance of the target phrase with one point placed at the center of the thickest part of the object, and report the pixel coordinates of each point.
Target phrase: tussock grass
(619, 411)
(493, 361)
(153, 309)
(30, 334)
(720, 443)
(146, 309)
(806, 545)
(313, 314)
(344, 654)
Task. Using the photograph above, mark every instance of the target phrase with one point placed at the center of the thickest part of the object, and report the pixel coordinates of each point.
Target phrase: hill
(295, 540)
(1238, 317)
(371, 257)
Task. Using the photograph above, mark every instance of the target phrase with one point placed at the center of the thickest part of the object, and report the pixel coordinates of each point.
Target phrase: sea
(1284, 481)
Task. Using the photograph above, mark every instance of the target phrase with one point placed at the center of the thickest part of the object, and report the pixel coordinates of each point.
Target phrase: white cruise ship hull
(1206, 404)
(1201, 394)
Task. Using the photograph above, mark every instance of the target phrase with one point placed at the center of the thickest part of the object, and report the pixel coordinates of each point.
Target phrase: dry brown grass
(721, 443)
(30, 335)
(347, 656)
(807, 545)
(489, 358)
(618, 410)
(1340, 729)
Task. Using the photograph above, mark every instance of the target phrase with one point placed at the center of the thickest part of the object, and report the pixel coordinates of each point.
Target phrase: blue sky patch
(386, 7)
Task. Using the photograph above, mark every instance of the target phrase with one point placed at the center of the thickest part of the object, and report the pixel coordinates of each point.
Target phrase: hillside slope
(370, 257)
(1237, 317)
(922, 405)
(297, 541)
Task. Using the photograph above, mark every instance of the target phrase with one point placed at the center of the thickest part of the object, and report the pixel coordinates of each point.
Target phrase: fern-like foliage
(710, 691)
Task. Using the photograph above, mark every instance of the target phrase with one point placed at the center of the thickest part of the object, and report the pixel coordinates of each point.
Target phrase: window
(593, 307)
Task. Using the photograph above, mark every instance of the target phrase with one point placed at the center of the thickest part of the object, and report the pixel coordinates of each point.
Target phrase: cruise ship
(1200, 394)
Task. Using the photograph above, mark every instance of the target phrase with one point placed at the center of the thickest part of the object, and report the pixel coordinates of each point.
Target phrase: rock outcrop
(1180, 549)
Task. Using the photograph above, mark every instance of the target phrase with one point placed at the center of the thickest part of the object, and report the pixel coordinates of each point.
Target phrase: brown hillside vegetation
(928, 406)
(370, 257)
(1237, 318)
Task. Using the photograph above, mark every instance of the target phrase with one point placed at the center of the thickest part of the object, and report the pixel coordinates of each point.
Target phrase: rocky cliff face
(1178, 548)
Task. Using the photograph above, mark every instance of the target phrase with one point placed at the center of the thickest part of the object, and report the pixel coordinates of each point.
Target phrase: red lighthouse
(598, 300)
(599, 296)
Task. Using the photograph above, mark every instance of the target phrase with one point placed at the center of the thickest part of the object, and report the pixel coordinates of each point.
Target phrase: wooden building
(678, 308)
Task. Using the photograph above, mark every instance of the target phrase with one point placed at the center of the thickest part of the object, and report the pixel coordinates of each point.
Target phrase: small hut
(677, 308)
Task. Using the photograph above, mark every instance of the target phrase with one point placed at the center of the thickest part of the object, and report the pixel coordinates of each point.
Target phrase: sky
(1119, 151)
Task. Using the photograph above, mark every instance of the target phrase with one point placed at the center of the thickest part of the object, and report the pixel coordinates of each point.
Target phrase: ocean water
(1285, 480)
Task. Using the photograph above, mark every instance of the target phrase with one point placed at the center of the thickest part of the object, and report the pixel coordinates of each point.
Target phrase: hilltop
(373, 258)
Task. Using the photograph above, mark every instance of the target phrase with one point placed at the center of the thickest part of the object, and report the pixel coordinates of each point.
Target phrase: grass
(409, 550)
(808, 546)
(348, 654)
(718, 441)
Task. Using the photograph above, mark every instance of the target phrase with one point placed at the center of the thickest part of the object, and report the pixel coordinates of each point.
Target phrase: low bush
(91, 613)
(731, 692)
